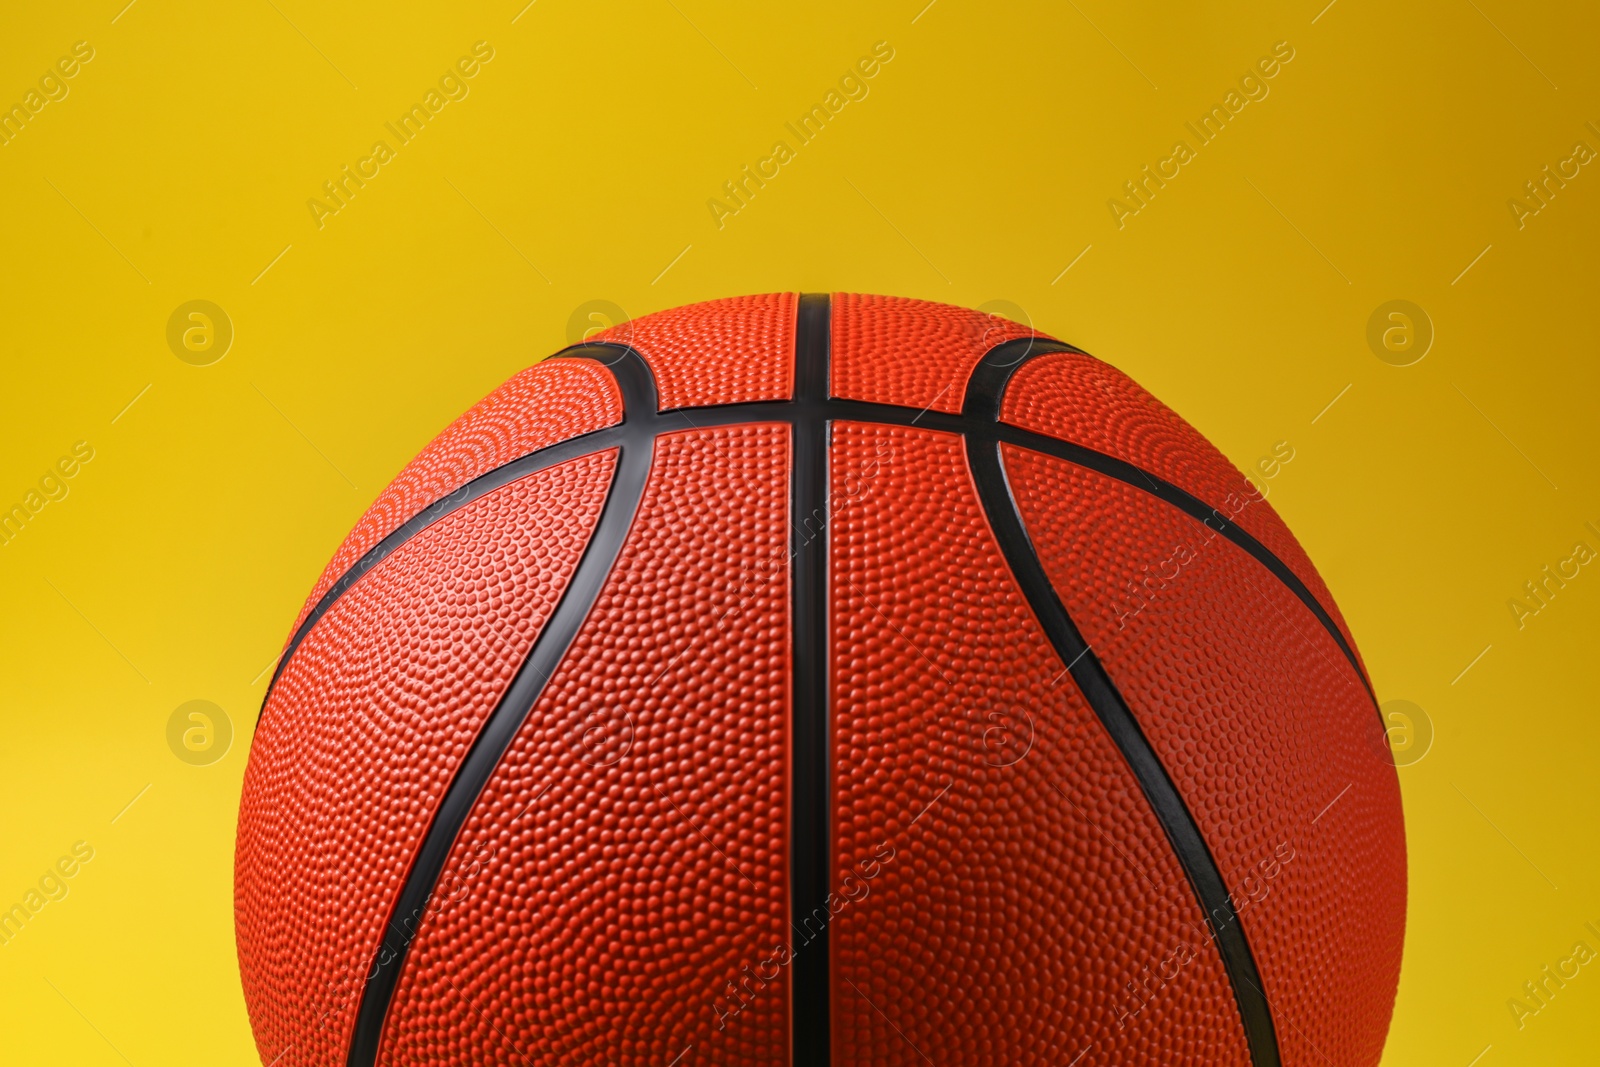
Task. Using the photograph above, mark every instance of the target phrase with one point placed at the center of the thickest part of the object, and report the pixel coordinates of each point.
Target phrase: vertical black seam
(810, 833)
(638, 388)
(811, 758)
(984, 394)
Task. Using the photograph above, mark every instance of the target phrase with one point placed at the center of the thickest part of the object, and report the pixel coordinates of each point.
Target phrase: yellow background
(978, 167)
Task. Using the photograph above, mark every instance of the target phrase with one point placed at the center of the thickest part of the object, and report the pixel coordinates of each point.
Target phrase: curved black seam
(506, 473)
(986, 388)
(1195, 508)
(636, 446)
(811, 786)
(834, 410)
(487, 482)
(985, 395)
(986, 385)
(1005, 520)
(635, 437)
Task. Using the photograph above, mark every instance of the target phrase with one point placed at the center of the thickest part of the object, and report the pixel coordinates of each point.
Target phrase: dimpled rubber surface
(1084, 400)
(616, 886)
(719, 352)
(911, 352)
(546, 403)
(362, 733)
(1262, 724)
(1003, 891)
(1010, 879)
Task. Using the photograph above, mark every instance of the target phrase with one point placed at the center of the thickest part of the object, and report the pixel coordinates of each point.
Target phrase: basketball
(820, 680)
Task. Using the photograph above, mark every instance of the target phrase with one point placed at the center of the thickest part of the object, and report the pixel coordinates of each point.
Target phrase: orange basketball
(820, 681)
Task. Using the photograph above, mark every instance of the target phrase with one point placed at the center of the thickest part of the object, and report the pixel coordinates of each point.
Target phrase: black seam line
(537, 460)
(831, 409)
(637, 443)
(634, 438)
(811, 787)
(994, 489)
(985, 393)
(551, 456)
(986, 388)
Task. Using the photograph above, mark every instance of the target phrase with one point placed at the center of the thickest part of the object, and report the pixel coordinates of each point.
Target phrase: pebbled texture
(911, 352)
(1003, 892)
(719, 352)
(1015, 900)
(547, 403)
(362, 733)
(1081, 399)
(629, 857)
(1262, 725)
